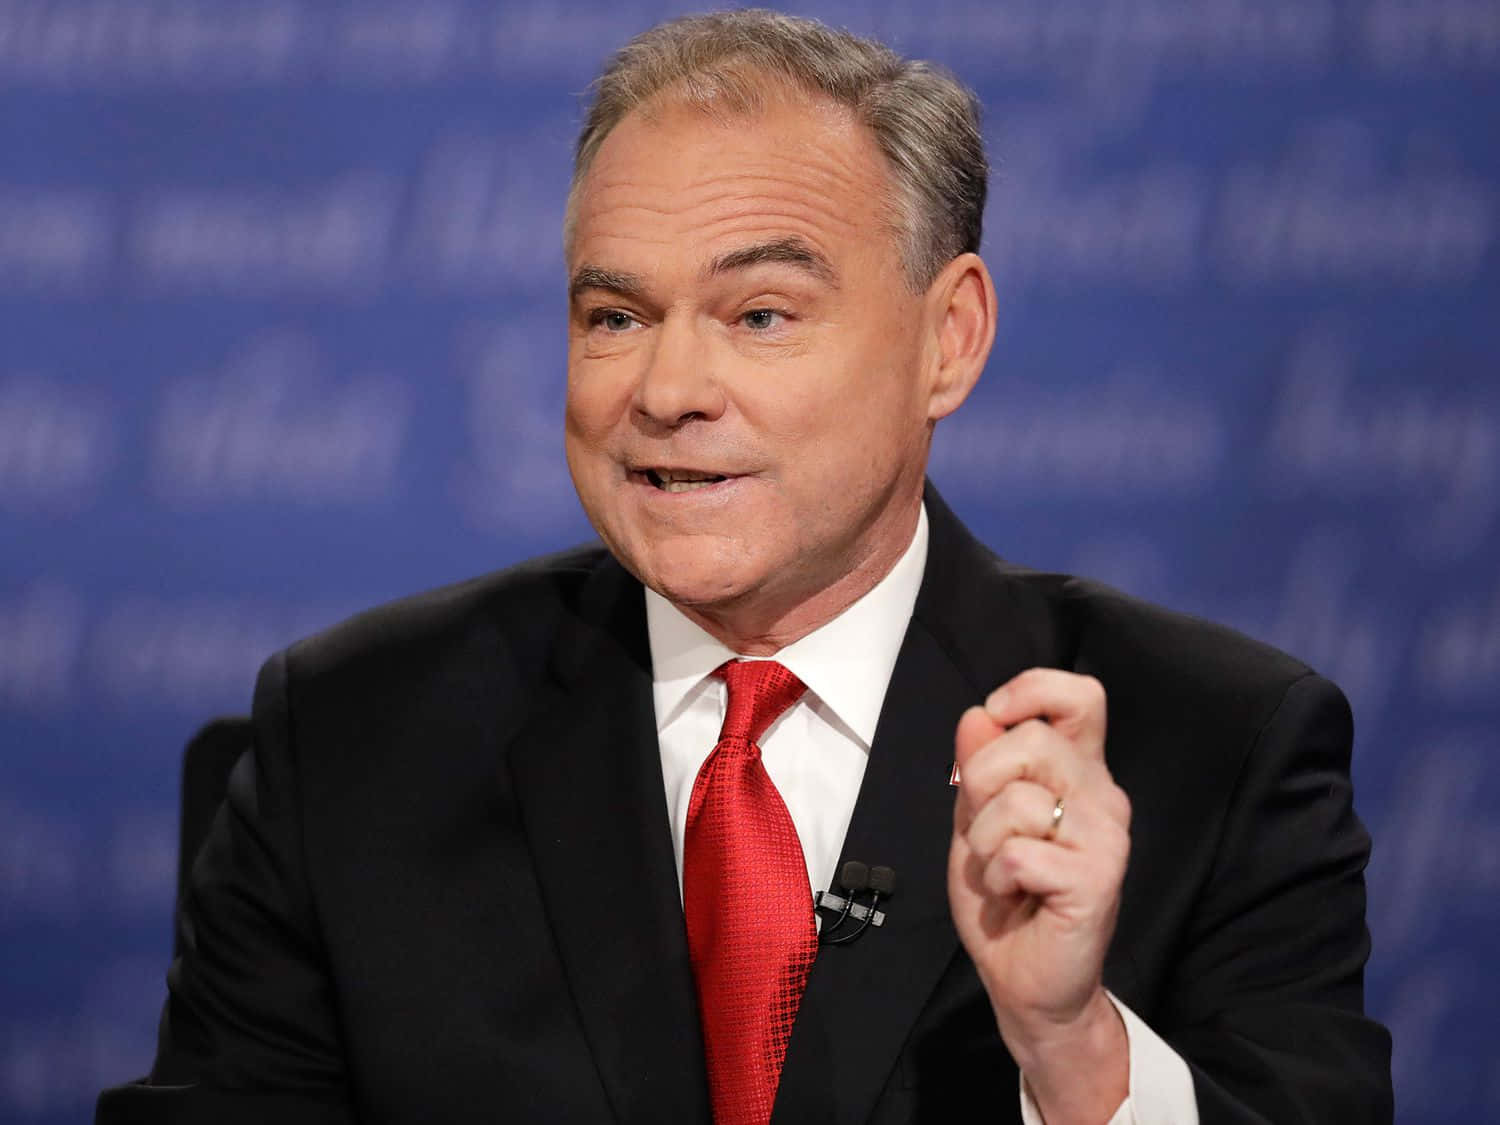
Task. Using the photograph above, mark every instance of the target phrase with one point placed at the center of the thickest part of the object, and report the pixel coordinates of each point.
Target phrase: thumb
(975, 729)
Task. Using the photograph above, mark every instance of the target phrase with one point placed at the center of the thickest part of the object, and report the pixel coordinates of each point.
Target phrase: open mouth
(681, 480)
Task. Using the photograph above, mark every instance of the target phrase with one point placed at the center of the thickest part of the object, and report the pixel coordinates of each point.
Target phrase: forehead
(685, 179)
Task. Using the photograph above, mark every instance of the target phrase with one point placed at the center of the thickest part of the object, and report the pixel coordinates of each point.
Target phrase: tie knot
(759, 691)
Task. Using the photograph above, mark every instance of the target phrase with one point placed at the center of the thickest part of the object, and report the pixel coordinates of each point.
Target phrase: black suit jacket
(442, 885)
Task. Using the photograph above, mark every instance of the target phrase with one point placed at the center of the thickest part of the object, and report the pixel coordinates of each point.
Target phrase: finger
(975, 730)
(1032, 751)
(1074, 704)
(1022, 808)
(1025, 865)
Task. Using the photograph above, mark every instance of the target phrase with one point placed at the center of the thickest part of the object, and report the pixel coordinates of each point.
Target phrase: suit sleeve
(1266, 998)
(250, 1030)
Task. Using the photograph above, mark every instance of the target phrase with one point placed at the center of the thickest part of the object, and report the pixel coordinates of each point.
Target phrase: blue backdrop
(281, 335)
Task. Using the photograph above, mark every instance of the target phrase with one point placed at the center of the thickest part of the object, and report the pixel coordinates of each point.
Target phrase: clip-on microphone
(855, 878)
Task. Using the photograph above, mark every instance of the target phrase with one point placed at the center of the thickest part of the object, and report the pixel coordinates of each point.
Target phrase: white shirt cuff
(1161, 1085)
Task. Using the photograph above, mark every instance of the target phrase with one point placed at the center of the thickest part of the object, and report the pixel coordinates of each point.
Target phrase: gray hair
(924, 120)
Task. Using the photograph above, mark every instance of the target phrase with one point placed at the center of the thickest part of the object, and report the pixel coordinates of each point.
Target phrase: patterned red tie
(749, 908)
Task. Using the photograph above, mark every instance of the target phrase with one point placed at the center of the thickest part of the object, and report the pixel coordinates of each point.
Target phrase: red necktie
(748, 905)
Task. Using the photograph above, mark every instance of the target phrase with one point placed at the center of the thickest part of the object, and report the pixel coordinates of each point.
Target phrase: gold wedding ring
(1057, 815)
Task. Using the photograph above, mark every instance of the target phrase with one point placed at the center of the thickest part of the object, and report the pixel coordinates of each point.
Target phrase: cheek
(586, 444)
(594, 404)
(868, 414)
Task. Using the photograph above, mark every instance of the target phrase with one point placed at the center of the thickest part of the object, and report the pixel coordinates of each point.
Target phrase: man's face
(747, 415)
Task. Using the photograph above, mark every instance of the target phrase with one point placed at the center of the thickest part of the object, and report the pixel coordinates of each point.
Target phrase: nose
(678, 384)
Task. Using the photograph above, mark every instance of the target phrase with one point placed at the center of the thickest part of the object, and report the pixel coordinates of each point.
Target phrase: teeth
(681, 480)
(684, 474)
(684, 485)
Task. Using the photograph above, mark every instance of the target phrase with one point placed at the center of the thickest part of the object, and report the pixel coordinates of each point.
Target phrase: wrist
(1077, 1071)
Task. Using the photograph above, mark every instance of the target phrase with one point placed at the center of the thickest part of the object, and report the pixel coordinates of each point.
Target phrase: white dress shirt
(816, 752)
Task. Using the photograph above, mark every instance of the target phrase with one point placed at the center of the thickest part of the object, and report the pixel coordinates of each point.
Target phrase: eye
(760, 320)
(611, 320)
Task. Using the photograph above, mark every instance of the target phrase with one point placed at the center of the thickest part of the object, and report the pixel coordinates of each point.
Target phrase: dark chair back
(205, 777)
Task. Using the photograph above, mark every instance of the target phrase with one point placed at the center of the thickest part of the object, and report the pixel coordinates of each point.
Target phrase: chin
(700, 575)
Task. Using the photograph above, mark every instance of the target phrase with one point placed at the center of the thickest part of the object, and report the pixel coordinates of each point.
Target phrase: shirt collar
(846, 663)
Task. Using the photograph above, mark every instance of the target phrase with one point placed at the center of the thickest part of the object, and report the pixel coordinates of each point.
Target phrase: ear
(961, 311)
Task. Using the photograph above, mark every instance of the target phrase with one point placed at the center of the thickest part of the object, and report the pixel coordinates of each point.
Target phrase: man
(540, 847)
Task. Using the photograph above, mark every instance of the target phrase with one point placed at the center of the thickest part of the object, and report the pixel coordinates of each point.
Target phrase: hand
(1034, 907)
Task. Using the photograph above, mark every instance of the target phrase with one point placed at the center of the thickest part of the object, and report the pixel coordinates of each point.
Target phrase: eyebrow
(788, 251)
(593, 277)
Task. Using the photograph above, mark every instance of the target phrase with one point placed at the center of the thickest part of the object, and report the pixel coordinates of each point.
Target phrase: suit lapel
(587, 774)
(972, 628)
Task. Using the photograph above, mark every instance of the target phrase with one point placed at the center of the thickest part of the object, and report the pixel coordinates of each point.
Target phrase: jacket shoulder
(992, 612)
(515, 610)
(1115, 628)
(1151, 659)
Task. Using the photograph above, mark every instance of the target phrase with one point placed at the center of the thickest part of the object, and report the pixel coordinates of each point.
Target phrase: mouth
(680, 480)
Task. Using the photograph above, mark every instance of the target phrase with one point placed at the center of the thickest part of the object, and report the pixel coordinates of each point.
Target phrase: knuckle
(994, 823)
(1030, 735)
(1011, 852)
(978, 784)
(987, 771)
(997, 876)
(1009, 800)
(1030, 679)
(980, 835)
